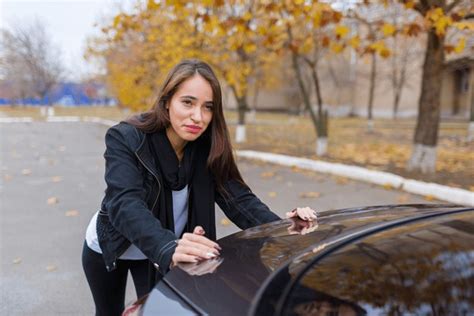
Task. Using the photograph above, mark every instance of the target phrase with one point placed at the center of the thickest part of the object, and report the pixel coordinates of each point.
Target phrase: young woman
(165, 170)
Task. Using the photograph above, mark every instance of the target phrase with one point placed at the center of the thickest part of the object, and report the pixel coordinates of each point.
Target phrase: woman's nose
(196, 114)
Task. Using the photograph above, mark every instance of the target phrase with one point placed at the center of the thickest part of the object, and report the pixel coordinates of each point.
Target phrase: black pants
(108, 288)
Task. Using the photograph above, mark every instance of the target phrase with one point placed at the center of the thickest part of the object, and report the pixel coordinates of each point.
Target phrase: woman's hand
(194, 248)
(301, 227)
(305, 213)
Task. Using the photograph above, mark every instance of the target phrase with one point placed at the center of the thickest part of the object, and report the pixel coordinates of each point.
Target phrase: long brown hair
(221, 160)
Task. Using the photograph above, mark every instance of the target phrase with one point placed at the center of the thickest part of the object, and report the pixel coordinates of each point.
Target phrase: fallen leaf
(225, 222)
(26, 172)
(72, 213)
(279, 178)
(268, 174)
(57, 179)
(309, 195)
(429, 197)
(296, 169)
(403, 198)
(388, 186)
(53, 200)
(52, 162)
(289, 183)
(342, 180)
(51, 268)
(17, 260)
(272, 194)
(471, 188)
(7, 177)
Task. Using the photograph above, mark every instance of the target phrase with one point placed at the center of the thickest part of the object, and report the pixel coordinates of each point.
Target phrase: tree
(435, 18)
(140, 47)
(306, 31)
(372, 35)
(32, 62)
(405, 52)
(439, 16)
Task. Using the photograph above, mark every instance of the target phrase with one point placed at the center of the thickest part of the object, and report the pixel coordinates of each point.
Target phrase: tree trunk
(304, 92)
(470, 129)
(373, 70)
(242, 106)
(322, 119)
(396, 102)
(426, 134)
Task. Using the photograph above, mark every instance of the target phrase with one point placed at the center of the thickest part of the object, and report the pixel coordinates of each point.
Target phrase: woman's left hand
(304, 213)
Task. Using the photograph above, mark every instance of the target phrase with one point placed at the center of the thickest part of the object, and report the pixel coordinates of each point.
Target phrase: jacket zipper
(154, 203)
(156, 178)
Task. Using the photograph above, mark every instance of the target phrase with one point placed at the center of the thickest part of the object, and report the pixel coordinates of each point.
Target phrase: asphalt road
(52, 183)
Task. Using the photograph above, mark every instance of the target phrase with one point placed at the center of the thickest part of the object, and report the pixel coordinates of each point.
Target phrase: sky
(69, 22)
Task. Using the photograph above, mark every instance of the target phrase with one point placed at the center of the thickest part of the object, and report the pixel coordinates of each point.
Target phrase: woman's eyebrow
(195, 99)
(189, 97)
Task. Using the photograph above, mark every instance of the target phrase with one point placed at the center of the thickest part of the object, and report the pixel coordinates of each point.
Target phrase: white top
(180, 215)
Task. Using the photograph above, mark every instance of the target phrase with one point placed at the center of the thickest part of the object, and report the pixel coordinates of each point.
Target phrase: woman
(165, 170)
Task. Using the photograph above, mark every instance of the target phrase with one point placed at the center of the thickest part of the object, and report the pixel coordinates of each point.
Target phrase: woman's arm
(243, 207)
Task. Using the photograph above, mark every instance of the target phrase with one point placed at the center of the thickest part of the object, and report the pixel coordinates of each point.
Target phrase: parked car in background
(390, 260)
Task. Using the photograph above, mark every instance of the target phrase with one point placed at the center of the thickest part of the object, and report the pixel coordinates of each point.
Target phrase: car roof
(254, 257)
(421, 267)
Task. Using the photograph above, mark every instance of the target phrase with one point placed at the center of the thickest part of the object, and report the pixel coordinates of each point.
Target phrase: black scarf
(193, 172)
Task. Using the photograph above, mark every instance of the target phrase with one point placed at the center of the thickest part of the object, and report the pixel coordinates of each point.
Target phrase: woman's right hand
(194, 248)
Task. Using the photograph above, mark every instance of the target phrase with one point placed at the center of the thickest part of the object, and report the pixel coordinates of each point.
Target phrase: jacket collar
(144, 155)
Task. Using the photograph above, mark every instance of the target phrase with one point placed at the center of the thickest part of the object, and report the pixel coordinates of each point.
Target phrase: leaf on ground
(289, 183)
(388, 186)
(225, 222)
(471, 188)
(268, 174)
(16, 260)
(7, 177)
(272, 194)
(310, 195)
(52, 162)
(296, 169)
(51, 268)
(342, 180)
(26, 172)
(429, 197)
(57, 179)
(72, 213)
(279, 178)
(53, 200)
(403, 198)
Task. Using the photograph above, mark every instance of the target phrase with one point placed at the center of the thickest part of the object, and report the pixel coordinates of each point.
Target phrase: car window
(425, 267)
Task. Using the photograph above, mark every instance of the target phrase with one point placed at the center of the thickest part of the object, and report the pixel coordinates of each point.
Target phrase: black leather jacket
(133, 187)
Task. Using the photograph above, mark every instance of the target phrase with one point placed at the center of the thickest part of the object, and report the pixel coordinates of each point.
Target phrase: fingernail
(211, 255)
(218, 247)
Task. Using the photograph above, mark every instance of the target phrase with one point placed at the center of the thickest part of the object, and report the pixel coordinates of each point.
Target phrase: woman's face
(190, 110)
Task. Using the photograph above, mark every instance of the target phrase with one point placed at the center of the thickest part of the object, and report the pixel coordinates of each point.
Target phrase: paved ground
(41, 242)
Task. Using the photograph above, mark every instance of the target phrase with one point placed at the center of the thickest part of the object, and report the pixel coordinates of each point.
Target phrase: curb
(16, 119)
(438, 191)
(441, 192)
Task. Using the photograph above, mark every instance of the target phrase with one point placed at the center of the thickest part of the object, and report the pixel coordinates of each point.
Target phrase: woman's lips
(194, 129)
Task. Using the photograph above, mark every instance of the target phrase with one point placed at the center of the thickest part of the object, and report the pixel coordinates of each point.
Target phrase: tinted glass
(424, 268)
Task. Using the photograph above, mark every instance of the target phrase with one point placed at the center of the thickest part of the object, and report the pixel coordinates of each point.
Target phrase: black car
(382, 260)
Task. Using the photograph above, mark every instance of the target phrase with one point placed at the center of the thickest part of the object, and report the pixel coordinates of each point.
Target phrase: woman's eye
(209, 107)
(187, 102)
